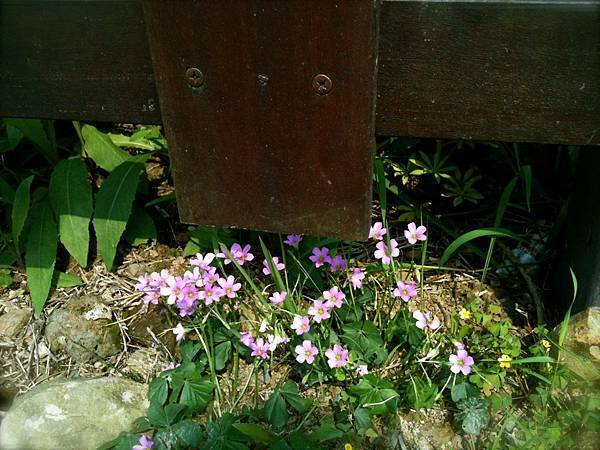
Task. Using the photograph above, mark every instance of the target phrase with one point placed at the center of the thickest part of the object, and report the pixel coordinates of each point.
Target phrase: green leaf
(20, 209)
(326, 432)
(40, 255)
(196, 394)
(222, 354)
(469, 236)
(362, 418)
(65, 280)
(7, 193)
(376, 394)
(158, 391)
(101, 149)
(289, 390)
(364, 338)
(188, 434)
(40, 134)
(421, 393)
(462, 391)
(275, 410)
(140, 227)
(474, 415)
(255, 432)
(113, 206)
(6, 278)
(533, 359)
(71, 196)
(526, 175)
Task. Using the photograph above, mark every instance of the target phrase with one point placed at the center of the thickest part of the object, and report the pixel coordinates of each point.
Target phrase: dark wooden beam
(516, 71)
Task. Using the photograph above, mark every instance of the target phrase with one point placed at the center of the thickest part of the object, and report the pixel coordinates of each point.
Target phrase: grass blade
(20, 209)
(469, 236)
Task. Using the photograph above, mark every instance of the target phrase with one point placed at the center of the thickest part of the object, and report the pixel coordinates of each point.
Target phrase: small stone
(83, 330)
(13, 321)
(157, 320)
(144, 364)
(583, 339)
(77, 414)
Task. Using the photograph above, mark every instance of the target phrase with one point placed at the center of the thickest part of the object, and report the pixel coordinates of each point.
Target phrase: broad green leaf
(113, 206)
(533, 360)
(326, 432)
(40, 134)
(196, 394)
(289, 390)
(474, 414)
(469, 236)
(140, 227)
(222, 354)
(158, 391)
(362, 417)
(421, 393)
(255, 432)
(40, 255)
(188, 434)
(101, 149)
(275, 410)
(65, 280)
(20, 209)
(6, 278)
(463, 390)
(71, 196)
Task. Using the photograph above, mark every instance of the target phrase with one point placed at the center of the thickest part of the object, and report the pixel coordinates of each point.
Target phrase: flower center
(338, 357)
(321, 311)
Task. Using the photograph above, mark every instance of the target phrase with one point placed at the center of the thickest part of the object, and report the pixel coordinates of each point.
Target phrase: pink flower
(187, 306)
(247, 338)
(274, 341)
(338, 264)
(259, 348)
(356, 278)
(143, 284)
(241, 255)
(210, 277)
(386, 254)
(319, 311)
(179, 332)
(362, 370)
(301, 325)
(293, 240)
(229, 286)
(173, 289)
(145, 443)
(306, 352)
(159, 280)
(151, 297)
(336, 356)
(203, 262)
(210, 293)
(461, 362)
(320, 256)
(405, 291)
(335, 298)
(279, 266)
(278, 297)
(414, 234)
(377, 231)
(424, 320)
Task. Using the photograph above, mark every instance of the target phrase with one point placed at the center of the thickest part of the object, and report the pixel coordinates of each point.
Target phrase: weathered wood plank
(257, 145)
(518, 71)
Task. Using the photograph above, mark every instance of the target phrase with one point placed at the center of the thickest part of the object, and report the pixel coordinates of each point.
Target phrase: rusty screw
(322, 84)
(195, 77)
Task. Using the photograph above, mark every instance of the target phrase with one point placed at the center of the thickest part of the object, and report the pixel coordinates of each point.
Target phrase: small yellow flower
(545, 344)
(347, 446)
(504, 361)
(464, 314)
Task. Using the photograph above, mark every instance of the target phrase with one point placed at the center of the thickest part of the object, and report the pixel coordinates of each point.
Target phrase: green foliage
(71, 196)
(113, 206)
(473, 414)
(40, 254)
(421, 393)
(20, 209)
(469, 236)
(99, 147)
(376, 394)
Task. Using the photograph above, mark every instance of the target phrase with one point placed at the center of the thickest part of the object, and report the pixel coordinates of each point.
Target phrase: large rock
(82, 329)
(76, 414)
(583, 342)
(13, 321)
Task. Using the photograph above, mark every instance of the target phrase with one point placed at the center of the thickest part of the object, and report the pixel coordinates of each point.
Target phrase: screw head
(322, 84)
(195, 77)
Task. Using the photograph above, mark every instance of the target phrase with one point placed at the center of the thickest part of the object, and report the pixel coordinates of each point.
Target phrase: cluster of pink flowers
(201, 284)
(262, 345)
(386, 251)
(321, 256)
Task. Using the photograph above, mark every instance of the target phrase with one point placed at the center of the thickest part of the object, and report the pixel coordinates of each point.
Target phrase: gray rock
(82, 329)
(13, 321)
(583, 342)
(78, 414)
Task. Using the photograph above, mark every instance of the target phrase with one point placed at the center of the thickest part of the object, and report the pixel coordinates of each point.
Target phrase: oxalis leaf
(40, 254)
(474, 414)
(101, 149)
(71, 197)
(20, 209)
(113, 206)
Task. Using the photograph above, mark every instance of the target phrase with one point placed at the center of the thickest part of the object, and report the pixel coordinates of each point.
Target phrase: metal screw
(322, 84)
(263, 79)
(195, 77)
